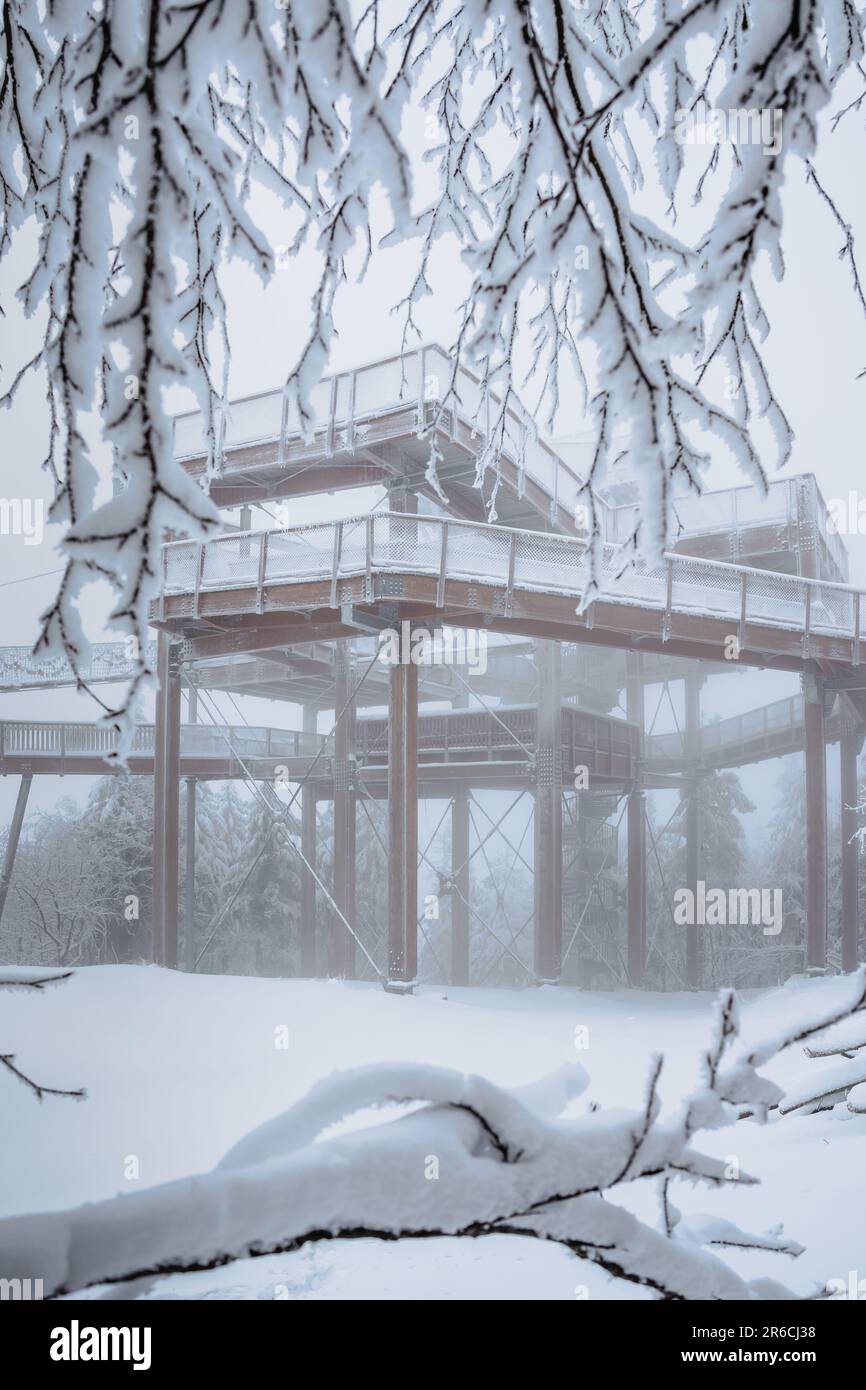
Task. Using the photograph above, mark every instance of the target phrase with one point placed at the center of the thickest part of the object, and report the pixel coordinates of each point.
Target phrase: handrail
(422, 519)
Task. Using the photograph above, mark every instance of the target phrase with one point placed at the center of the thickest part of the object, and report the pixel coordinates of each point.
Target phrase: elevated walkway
(326, 575)
(374, 425)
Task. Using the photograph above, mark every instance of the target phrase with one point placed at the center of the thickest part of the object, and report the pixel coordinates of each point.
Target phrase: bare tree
(132, 132)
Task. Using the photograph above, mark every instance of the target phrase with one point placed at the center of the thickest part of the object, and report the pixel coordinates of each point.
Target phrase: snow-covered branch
(469, 1159)
(132, 133)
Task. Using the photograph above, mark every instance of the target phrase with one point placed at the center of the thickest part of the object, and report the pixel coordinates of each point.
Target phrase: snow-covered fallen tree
(469, 1160)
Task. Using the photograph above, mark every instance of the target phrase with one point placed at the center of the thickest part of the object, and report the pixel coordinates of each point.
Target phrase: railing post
(443, 566)
(669, 595)
(509, 588)
(260, 580)
(369, 541)
(807, 620)
(335, 563)
(199, 573)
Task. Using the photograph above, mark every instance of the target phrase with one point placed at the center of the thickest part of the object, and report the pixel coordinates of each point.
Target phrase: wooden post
(14, 836)
(403, 823)
(308, 850)
(460, 886)
(189, 874)
(166, 806)
(692, 703)
(548, 814)
(342, 944)
(848, 750)
(636, 831)
(816, 824)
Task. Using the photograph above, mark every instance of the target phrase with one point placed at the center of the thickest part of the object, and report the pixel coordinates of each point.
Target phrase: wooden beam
(14, 837)
(692, 732)
(636, 831)
(403, 823)
(548, 815)
(189, 942)
(460, 886)
(816, 826)
(308, 850)
(848, 748)
(166, 807)
(342, 944)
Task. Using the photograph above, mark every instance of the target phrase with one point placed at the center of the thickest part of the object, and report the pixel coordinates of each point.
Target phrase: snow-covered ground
(178, 1068)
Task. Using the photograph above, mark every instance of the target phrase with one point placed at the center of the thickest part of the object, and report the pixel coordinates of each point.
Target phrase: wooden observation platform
(555, 711)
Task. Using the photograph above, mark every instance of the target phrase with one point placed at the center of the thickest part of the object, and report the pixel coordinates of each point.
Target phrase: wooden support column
(636, 831)
(849, 745)
(189, 944)
(816, 824)
(308, 850)
(548, 814)
(342, 943)
(692, 701)
(14, 836)
(460, 887)
(403, 823)
(166, 805)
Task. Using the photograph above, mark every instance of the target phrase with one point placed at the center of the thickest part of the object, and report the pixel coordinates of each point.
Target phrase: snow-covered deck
(512, 561)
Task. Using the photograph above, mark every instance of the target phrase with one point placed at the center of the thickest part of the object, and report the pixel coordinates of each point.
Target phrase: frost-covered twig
(8, 1061)
(21, 977)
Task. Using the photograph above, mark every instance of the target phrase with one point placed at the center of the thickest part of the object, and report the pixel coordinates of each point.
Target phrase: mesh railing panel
(552, 563)
(549, 563)
(474, 553)
(230, 560)
(304, 553)
(775, 599)
(180, 567)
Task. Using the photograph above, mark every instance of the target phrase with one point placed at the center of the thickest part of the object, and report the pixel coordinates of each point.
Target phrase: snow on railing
(426, 381)
(107, 661)
(32, 738)
(381, 542)
(791, 502)
(344, 404)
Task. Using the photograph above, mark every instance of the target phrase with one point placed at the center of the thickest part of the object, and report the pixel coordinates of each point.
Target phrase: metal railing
(426, 382)
(35, 739)
(794, 503)
(107, 661)
(343, 405)
(510, 559)
(757, 726)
